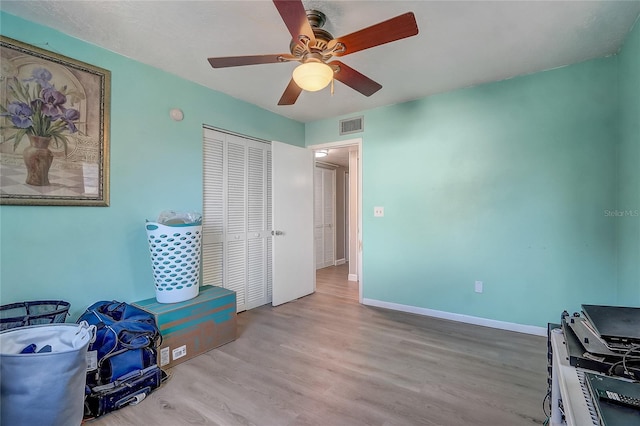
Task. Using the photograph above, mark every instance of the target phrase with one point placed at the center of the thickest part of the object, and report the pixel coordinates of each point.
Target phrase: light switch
(378, 211)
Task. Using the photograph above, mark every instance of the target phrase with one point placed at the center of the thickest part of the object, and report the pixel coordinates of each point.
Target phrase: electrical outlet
(179, 352)
(479, 288)
(378, 211)
(164, 356)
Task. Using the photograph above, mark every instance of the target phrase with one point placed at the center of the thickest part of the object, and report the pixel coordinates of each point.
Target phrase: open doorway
(337, 223)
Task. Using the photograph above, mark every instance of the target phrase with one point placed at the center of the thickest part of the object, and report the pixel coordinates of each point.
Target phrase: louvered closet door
(236, 212)
(237, 217)
(328, 188)
(257, 229)
(269, 228)
(213, 208)
(324, 212)
(318, 217)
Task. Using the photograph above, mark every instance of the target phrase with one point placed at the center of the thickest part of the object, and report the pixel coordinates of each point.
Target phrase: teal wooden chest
(194, 326)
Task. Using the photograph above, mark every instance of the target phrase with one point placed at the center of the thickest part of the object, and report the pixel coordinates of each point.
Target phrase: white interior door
(293, 257)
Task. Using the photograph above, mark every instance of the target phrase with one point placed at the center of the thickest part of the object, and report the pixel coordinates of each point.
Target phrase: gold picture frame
(54, 128)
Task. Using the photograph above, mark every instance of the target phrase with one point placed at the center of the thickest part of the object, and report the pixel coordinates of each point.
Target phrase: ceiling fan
(314, 47)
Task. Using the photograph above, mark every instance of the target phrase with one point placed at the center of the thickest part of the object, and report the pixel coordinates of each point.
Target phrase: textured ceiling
(460, 43)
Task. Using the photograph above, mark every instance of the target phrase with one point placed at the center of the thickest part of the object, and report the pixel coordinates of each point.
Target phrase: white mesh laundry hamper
(175, 258)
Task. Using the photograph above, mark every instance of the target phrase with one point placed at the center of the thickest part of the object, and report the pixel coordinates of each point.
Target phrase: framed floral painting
(54, 128)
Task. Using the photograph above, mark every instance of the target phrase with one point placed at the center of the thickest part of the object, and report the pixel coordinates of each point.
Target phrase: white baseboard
(340, 262)
(352, 277)
(510, 326)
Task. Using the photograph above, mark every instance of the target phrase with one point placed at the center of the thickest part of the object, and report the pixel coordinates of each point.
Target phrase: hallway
(333, 281)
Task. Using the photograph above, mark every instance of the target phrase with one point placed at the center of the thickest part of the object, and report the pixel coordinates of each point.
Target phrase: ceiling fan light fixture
(313, 76)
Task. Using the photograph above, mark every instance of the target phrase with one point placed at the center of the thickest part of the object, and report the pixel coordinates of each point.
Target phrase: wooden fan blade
(355, 80)
(290, 95)
(238, 61)
(397, 28)
(295, 18)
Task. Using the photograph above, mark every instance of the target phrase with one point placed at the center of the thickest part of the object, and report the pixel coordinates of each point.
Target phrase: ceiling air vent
(351, 125)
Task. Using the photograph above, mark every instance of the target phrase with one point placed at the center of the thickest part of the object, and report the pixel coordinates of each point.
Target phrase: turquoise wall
(505, 183)
(628, 225)
(86, 254)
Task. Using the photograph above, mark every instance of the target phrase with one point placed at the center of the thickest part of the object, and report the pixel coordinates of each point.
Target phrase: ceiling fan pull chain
(332, 80)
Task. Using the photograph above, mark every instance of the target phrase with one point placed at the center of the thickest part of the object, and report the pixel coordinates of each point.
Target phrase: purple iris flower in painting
(37, 108)
(51, 102)
(41, 76)
(20, 114)
(69, 116)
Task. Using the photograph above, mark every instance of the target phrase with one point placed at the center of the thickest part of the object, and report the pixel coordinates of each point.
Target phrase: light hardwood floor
(327, 360)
